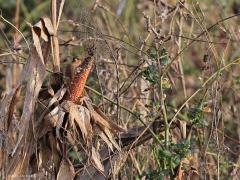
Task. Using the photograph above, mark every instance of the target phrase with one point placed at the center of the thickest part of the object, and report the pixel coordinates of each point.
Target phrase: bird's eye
(75, 59)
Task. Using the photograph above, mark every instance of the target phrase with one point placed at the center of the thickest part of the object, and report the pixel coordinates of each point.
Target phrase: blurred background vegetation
(151, 56)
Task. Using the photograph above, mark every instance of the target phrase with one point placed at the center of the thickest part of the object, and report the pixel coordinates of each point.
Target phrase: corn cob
(77, 83)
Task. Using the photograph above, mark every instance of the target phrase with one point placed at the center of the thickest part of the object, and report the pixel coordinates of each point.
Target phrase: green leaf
(150, 74)
(164, 59)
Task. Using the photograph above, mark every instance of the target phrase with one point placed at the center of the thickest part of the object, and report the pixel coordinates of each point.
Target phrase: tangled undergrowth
(117, 89)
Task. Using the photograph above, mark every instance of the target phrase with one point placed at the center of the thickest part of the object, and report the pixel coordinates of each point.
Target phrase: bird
(70, 70)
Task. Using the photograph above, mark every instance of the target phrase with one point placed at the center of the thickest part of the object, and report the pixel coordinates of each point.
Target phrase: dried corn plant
(60, 133)
(119, 90)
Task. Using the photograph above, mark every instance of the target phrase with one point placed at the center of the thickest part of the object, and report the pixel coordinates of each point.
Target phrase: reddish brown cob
(77, 84)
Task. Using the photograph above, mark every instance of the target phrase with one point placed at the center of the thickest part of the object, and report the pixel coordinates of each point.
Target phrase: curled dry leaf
(53, 116)
(38, 28)
(37, 34)
(56, 98)
(49, 121)
(48, 25)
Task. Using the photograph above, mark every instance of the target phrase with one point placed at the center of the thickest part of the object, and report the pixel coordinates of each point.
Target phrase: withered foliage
(60, 134)
(152, 91)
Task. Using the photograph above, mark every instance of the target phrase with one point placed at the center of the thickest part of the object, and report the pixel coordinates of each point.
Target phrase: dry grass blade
(111, 138)
(55, 54)
(119, 163)
(5, 106)
(60, 120)
(60, 12)
(103, 123)
(104, 138)
(114, 127)
(56, 12)
(97, 159)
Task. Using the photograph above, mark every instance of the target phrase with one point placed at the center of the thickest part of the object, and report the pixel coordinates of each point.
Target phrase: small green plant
(151, 74)
(163, 55)
(168, 159)
(195, 114)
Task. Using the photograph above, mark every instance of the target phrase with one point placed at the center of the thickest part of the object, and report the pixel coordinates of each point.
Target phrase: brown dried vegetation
(148, 107)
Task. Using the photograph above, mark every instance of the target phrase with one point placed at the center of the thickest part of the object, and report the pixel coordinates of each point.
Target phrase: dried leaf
(19, 163)
(82, 117)
(111, 138)
(35, 70)
(48, 25)
(44, 156)
(119, 162)
(52, 117)
(36, 33)
(55, 54)
(12, 106)
(103, 123)
(61, 114)
(104, 138)
(66, 171)
(60, 12)
(39, 30)
(58, 96)
(96, 159)
(114, 126)
(56, 157)
(6, 100)
(100, 119)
